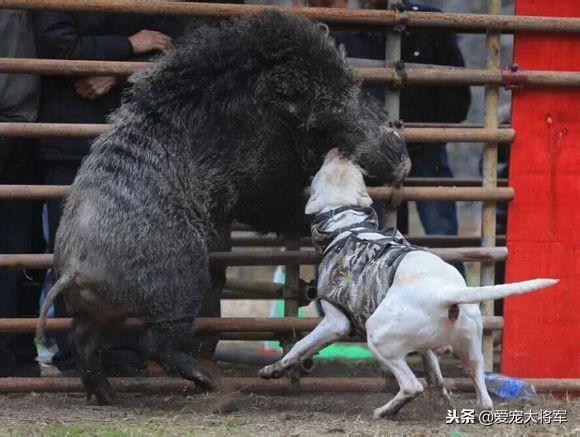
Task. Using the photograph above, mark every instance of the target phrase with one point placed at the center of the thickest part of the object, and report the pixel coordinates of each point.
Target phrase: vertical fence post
(290, 294)
(392, 95)
(488, 219)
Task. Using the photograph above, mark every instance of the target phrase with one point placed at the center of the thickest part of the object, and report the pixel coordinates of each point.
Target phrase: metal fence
(394, 74)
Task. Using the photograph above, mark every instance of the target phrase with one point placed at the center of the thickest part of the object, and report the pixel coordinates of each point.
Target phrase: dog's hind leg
(468, 347)
(334, 326)
(387, 340)
(409, 386)
(435, 384)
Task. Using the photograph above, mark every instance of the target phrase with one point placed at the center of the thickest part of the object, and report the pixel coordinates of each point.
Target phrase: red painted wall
(542, 330)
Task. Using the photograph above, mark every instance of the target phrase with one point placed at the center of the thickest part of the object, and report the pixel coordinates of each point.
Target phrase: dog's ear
(314, 205)
(365, 200)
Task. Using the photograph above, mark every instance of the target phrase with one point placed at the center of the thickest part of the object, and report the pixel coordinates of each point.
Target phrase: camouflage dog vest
(359, 262)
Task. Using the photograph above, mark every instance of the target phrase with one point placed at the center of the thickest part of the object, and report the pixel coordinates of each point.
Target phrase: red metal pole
(542, 335)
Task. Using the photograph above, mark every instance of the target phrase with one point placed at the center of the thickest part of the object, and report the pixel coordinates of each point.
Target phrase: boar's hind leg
(87, 340)
(163, 344)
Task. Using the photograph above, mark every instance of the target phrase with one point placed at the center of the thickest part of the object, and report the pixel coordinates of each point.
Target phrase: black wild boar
(229, 126)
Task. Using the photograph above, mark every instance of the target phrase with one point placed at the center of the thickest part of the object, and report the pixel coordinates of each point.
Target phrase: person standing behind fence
(19, 95)
(88, 36)
(419, 103)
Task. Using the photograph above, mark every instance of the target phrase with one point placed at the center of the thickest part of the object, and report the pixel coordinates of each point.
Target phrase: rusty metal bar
(412, 135)
(353, 17)
(254, 287)
(291, 295)
(392, 101)
(445, 193)
(470, 194)
(207, 324)
(51, 130)
(456, 76)
(269, 257)
(461, 135)
(489, 173)
(166, 385)
(445, 182)
(415, 74)
(66, 67)
(33, 192)
(426, 241)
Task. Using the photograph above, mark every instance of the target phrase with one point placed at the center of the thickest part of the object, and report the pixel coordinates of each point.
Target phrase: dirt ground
(261, 414)
(257, 414)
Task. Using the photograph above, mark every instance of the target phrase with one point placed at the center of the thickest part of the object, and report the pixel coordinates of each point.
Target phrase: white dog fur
(415, 314)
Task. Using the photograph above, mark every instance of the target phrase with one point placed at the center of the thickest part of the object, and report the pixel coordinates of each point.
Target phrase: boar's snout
(385, 159)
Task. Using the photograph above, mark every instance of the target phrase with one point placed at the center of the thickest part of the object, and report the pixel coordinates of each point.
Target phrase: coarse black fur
(229, 126)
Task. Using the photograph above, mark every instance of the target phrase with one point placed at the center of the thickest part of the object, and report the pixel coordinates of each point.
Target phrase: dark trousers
(58, 173)
(438, 218)
(16, 221)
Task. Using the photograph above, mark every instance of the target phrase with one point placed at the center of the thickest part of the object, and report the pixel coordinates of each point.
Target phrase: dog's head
(339, 182)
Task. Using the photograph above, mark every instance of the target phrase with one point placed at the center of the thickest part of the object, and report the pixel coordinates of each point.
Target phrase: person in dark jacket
(19, 94)
(88, 36)
(419, 103)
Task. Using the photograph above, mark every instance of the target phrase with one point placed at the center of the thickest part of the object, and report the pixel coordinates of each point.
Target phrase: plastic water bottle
(506, 387)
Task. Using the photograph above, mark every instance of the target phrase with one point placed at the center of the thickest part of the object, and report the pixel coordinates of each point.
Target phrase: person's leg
(59, 173)
(10, 279)
(15, 237)
(438, 218)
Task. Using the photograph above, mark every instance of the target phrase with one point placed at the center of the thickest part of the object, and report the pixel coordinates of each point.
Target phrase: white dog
(404, 298)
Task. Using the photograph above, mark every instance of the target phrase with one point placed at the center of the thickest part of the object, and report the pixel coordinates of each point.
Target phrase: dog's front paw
(273, 371)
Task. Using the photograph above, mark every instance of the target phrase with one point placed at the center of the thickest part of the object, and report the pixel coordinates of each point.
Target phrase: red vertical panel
(542, 330)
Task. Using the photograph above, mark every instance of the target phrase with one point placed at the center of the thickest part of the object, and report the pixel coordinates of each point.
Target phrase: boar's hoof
(205, 382)
(103, 393)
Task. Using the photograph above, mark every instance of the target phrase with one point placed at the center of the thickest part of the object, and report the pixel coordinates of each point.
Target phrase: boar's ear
(323, 28)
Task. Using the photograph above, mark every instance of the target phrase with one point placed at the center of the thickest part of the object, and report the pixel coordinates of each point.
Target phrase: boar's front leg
(88, 337)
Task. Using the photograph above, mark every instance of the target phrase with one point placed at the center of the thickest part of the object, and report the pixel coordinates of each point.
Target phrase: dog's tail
(479, 294)
(59, 286)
